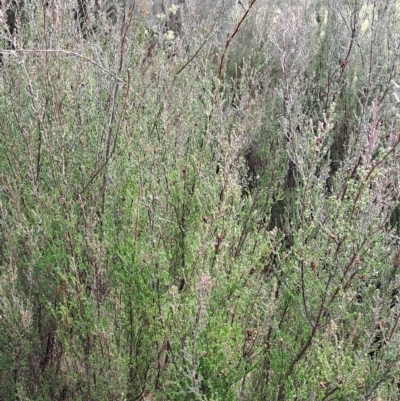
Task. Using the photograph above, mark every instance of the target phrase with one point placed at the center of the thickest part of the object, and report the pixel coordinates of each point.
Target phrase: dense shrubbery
(138, 258)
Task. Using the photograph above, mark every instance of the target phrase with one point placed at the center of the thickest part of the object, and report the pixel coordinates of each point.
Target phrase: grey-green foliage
(134, 265)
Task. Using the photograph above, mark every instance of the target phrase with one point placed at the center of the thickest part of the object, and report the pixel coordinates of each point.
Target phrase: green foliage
(141, 260)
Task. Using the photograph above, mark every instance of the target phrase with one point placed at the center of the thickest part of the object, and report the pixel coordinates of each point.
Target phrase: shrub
(138, 262)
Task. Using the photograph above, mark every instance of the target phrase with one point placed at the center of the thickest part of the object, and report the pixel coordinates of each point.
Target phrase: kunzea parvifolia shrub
(140, 259)
(339, 114)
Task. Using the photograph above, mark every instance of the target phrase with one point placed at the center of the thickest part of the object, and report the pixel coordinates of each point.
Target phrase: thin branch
(235, 32)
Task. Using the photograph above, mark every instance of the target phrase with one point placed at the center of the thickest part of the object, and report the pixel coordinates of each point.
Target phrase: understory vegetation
(203, 206)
